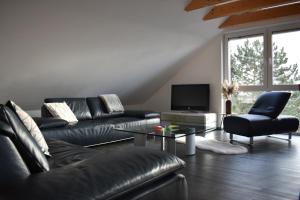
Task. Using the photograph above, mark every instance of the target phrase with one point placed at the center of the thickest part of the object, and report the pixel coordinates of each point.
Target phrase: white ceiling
(73, 48)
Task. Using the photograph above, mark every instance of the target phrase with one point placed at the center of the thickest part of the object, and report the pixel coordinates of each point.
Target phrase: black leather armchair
(263, 118)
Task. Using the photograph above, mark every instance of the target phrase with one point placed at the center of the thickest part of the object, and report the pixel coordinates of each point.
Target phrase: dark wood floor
(270, 171)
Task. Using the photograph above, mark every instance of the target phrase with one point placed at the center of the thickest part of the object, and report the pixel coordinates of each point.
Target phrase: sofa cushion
(127, 122)
(31, 126)
(98, 109)
(270, 104)
(99, 176)
(65, 153)
(86, 133)
(24, 142)
(77, 105)
(49, 122)
(13, 167)
(256, 125)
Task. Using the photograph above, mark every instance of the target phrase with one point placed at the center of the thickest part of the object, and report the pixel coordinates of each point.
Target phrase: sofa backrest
(26, 145)
(98, 108)
(83, 108)
(270, 104)
(77, 105)
(13, 167)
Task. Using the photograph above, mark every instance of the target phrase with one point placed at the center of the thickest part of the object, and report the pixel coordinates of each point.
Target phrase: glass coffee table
(168, 137)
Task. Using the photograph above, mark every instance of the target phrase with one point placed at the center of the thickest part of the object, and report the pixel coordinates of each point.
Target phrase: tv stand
(189, 117)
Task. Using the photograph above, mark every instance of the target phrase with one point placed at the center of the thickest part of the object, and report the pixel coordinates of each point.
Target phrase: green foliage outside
(247, 69)
(247, 64)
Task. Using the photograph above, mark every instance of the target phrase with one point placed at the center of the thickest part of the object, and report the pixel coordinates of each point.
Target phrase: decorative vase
(228, 107)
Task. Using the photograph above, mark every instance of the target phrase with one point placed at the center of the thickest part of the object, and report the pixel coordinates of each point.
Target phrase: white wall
(203, 67)
(74, 48)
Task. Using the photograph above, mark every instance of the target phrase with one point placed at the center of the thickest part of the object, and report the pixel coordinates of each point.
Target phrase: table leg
(190, 146)
(140, 140)
(163, 144)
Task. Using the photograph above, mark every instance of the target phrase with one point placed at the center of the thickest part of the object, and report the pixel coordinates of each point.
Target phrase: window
(246, 60)
(263, 60)
(285, 57)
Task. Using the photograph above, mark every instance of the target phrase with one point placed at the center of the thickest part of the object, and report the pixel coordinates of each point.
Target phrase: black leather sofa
(78, 173)
(263, 118)
(95, 125)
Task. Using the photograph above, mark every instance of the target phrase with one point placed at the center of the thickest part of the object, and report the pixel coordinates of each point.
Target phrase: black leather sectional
(95, 125)
(78, 173)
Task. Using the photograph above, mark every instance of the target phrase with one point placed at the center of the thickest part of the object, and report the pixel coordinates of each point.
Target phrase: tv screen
(193, 97)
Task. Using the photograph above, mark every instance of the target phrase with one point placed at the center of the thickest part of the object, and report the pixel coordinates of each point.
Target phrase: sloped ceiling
(74, 48)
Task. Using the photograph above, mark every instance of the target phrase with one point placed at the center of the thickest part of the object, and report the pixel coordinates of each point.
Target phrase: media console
(207, 120)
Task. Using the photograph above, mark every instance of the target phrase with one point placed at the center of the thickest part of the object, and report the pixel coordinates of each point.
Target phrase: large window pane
(246, 60)
(292, 107)
(243, 101)
(286, 59)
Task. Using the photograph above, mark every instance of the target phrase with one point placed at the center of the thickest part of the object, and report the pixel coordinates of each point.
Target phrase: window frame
(268, 68)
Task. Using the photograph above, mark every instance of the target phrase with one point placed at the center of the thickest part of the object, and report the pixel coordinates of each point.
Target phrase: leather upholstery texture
(77, 105)
(92, 132)
(98, 108)
(127, 122)
(171, 187)
(80, 173)
(24, 142)
(49, 122)
(270, 104)
(142, 114)
(257, 125)
(13, 166)
(86, 133)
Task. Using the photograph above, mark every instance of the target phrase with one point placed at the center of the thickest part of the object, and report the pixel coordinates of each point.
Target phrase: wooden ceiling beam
(266, 14)
(196, 4)
(242, 6)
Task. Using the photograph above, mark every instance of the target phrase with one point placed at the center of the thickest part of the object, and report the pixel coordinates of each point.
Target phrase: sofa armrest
(49, 122)
(142, 114)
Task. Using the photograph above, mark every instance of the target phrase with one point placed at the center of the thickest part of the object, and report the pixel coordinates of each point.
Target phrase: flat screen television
(192, 97)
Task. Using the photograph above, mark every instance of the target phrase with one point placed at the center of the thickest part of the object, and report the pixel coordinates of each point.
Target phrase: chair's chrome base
(251, 138)
(289, 137)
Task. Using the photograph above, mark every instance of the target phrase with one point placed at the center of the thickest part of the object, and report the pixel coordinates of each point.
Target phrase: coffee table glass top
(168, 131)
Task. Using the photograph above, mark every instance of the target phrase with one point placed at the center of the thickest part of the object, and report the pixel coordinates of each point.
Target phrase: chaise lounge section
(263, 118)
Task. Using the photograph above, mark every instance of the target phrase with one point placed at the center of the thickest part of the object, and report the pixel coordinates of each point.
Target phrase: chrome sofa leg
(251, 140)
(290, 136)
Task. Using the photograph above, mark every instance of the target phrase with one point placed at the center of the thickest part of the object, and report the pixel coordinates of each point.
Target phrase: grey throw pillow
(112, 103)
